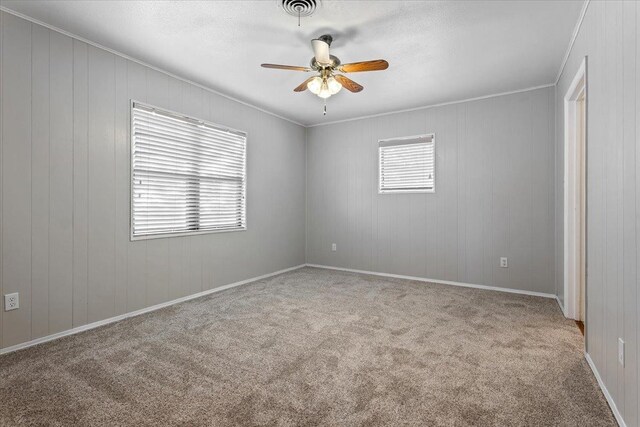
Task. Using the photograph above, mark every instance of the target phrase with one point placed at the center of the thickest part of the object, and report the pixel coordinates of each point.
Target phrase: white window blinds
(188, 176)
(407, 164)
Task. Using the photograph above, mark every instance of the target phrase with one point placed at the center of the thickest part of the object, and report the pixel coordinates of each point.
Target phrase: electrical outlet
(621, 352)
(11, 301)
(504, 263)
(334, 247)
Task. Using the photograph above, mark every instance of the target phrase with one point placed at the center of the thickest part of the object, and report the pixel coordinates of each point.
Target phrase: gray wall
(609, 37)
(64, 201)
(494, 195)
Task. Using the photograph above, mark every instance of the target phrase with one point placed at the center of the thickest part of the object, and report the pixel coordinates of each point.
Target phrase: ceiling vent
(300, 8)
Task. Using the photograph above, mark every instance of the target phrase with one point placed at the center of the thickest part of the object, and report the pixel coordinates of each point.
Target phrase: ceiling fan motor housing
(335, 62)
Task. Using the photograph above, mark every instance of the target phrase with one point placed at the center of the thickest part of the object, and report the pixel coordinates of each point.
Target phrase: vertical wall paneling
(634, 388)
(551, 196)
(462, 190)
(494, 172)
(80, 181)
(608, 36)
(65, 190)
(629, 375)
(16, 168)
(611, 204)
(101, 161)
(61, 183)
(122, 177)
(16, 176)
(40, 126)
(1, 168)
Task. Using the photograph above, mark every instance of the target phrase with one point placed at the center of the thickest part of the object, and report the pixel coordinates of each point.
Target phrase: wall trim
(572, 214)
(129, 58)
(424, 107)
(561, 306)
(612, 404)
(574, 36)
(120, 317)
(440, 282)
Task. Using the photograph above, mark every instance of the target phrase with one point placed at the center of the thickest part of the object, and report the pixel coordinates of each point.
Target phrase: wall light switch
(11, 301)
(504, 262)
(334, 247)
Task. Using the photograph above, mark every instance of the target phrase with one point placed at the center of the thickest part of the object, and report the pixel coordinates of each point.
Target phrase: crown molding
(211, 90)
(129, 58)
(574, 36)
(479, 98)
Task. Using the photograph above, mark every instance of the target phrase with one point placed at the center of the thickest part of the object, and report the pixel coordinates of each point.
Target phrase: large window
(407, 164)
(187, 176)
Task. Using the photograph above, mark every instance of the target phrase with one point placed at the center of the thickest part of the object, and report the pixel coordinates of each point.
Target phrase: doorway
(575, 201)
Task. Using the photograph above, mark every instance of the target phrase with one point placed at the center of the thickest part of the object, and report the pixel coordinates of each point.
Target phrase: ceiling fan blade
(321, 51)
(375, 65)
(303, 85)
(348, 84)
(286, 67)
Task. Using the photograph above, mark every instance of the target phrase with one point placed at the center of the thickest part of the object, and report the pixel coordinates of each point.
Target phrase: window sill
(133, 238)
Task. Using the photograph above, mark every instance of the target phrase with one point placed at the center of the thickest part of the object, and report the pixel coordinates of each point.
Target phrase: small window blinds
(407, 164)
(187, 176)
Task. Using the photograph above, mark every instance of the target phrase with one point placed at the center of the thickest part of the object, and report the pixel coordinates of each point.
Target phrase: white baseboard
(442, 282)
(253, 279)
(610, 401)
(139, 312)
(97, 324)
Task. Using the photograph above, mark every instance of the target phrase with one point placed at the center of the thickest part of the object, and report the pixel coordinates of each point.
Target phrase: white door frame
(572, 207)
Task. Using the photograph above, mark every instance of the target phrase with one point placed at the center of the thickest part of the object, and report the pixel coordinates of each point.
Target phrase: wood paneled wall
(609, 38)
(494, 195)
(64, 202)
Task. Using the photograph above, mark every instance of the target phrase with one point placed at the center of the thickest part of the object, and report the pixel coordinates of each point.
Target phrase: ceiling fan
(328, 82)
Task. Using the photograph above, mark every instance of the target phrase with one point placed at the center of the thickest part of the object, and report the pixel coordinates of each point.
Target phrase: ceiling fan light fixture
(315, 85)
(334, 85)
(324, 91)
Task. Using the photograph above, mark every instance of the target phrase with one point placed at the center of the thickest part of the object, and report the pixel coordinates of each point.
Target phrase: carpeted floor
(316, 347)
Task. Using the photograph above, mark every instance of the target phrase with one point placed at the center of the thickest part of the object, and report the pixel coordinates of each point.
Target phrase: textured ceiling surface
(438, 51)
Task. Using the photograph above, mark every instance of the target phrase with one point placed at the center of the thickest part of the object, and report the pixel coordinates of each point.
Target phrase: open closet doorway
(575, 162)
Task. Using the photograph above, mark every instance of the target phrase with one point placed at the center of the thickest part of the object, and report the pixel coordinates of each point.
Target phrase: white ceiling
(438, 51)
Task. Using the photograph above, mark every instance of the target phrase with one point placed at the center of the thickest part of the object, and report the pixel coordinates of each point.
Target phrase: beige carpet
(316, 347)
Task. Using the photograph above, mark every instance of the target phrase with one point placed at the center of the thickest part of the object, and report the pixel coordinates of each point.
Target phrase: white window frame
(399, 140)
(133, 237)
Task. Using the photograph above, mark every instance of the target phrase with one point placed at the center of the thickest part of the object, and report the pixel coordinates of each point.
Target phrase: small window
(187, 176)
(407, 164)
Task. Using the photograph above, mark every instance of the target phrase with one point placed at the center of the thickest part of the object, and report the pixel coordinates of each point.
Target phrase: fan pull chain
(298, 17)
(324, 111)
